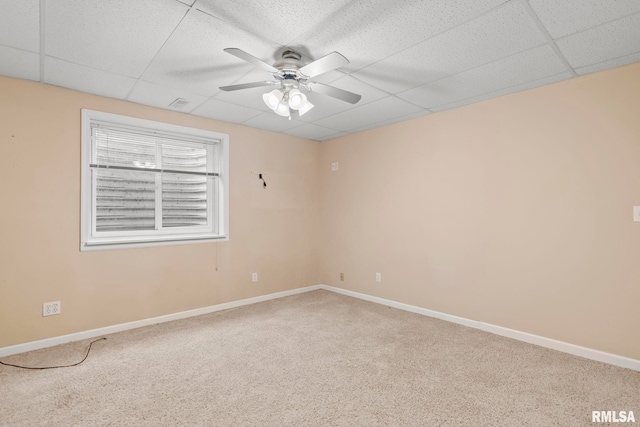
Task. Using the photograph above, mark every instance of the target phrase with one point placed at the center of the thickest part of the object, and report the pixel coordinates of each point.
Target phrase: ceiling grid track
(191, 8)
(466, 21)
(42, 38)
(550, 41)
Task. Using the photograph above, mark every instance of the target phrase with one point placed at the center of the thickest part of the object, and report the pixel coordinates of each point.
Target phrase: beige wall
(515, 212)
(273, 231)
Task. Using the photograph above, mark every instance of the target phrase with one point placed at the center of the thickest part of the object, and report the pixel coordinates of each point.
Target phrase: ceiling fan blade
(245, 86)
(326, 63)
(334, 92)
(251, 59)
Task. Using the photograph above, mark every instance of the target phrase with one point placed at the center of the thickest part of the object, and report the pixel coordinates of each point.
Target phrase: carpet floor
(313, 359)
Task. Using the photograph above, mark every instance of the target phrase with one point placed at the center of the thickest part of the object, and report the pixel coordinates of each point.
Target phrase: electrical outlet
(335, 166)
(378, 277)
(254, 277)
(51, 308)
(636, 213)
(342, 277)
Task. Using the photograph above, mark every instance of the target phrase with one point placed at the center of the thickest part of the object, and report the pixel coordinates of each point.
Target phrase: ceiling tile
(420, 113)
(608, 41)
(187, 2)
(333, 136)
(20, 25)
(250, 98)
(517, 69)
(367, 31)
(158, 96)
(566, 17)
(502, 32)
(119, 36)
(193, 58)
(502, 92)
(311, 131)
(19, 63)
(85, 79)
(220, 110)
(368, 92)
(374, 112)
(272, 122)
(601, 66)
(280, 21)
(324, 106)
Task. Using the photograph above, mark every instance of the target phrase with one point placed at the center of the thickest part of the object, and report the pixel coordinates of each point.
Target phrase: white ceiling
(407, 58)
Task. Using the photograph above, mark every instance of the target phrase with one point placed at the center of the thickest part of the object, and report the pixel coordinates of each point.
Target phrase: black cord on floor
(55, 367)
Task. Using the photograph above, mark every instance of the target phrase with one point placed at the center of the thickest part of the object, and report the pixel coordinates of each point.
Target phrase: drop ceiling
(407, 58)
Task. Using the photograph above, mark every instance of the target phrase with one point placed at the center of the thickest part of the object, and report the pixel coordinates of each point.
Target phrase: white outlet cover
(51, 308)
(335, 166)
(636, 213)
(378, 277)
(254, 277)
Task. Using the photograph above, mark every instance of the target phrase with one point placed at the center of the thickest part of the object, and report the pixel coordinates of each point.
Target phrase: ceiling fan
(293, 80)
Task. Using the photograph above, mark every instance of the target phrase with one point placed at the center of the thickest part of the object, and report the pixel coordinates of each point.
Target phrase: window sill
(101, 246)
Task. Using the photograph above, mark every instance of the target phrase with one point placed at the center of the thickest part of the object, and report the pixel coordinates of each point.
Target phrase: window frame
(91, 240)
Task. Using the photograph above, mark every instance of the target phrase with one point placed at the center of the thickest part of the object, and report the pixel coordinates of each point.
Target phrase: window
(150, 183)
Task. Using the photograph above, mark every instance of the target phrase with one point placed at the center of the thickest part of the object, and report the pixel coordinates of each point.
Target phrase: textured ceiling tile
(368, 92)
(251, 98)
(117, 35)
(311, 131)
(193, 58)
(157, 96)
(272, 122)
(564, 17)
(502, 32)
(324, 106)
(517, 69)
(332, 136)
(280, 21)
(421, 113)
(601, 66)
(367, 31)
(20, 24)
(19, 63)
(220, 110)
(85, 79)
(502, 92)
(609, 41)
(374, 112)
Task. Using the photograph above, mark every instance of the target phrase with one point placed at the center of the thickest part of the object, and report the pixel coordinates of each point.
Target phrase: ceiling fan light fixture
(273, 98)
(306, 107)
(297, 99)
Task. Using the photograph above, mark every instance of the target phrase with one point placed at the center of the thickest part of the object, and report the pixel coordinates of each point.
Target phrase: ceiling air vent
(179, 104)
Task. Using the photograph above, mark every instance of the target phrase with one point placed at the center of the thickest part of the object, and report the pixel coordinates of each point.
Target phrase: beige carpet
(314, 359)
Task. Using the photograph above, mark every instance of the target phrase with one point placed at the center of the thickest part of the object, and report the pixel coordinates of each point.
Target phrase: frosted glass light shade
(297, 99)
(273, 98)
(282, 109)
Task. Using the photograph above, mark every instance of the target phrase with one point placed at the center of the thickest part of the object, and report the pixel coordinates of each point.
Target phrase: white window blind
(149, 184)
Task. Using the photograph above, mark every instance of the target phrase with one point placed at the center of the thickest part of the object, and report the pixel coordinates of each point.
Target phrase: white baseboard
(78, 336)
(588, 353)
(576, 350)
